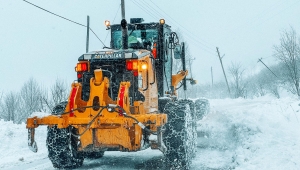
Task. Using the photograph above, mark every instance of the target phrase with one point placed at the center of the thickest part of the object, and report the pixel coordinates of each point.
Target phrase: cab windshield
(139, 37)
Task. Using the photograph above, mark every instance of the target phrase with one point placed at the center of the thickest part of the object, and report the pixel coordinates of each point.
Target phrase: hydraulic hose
(88, 126)
(138, 122)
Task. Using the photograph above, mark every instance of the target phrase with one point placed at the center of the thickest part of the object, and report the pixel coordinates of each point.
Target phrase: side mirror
(177, 52)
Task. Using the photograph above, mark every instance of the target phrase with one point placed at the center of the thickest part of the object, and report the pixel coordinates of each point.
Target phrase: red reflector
(121, 99)
(154, 52)
(135, 73)
(72, 101)
(79, 75)
(129, 65)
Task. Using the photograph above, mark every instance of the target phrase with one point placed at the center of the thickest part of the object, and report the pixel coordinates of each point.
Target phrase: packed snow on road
(260, 133)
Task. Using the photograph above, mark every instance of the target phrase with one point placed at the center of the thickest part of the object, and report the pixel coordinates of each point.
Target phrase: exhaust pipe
(124, 27)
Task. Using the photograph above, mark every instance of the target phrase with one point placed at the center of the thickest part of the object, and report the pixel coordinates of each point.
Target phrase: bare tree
(31, 97)
(236, 71)
(45, 102)
(267, 82)
(11, 108)
(17, 107)
(288, 53)
(59, 91)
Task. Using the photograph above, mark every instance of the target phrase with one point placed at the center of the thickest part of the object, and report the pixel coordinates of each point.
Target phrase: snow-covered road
(262, 133)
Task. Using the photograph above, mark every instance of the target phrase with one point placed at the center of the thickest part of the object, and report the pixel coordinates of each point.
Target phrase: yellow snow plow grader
(124, 99)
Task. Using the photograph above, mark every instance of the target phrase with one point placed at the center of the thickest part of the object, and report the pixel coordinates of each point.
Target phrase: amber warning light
(81, 67)
(144, 66)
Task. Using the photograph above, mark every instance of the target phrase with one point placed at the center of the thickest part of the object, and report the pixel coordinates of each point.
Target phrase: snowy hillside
(262, 133)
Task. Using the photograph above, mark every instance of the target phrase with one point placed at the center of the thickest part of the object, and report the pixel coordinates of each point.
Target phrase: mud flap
(31, 143)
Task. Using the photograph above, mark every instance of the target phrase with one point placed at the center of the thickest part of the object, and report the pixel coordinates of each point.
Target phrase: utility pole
(223, 69)
(259, 60)
(190, 65)
(87, 34)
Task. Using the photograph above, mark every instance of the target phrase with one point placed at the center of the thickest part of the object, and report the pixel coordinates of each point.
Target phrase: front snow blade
(31, 143)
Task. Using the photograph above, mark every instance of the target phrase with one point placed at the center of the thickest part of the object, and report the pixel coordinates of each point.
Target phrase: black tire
(93, 155)
(178, 135)
(202, 107)
(59, 108)
(162, 101)
(194, 125)
(62, 146)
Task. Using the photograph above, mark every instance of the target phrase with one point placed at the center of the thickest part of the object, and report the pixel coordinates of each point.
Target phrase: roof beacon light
(162, 21)
(107, 24)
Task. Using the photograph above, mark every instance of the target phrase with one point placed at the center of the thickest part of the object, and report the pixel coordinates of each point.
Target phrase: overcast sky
(34, 43)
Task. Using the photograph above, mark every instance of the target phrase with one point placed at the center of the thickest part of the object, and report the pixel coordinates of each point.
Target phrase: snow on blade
(39, 114)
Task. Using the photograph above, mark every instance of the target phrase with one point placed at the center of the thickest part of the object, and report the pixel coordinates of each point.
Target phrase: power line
(153, 9)
(54, 13)
(65, 19)
(190, 36)
(262, 16)
(145, 9)
(294, 4)
(266, 11)
(97, 37)
(188, 31)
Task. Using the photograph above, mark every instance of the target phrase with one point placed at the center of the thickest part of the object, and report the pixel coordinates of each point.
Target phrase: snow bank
(13, 145)
(262, 133)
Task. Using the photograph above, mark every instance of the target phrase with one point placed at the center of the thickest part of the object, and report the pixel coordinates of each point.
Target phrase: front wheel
(62, 148)
(202, 108)
(178, 135)
(62, 145)
(194, 125)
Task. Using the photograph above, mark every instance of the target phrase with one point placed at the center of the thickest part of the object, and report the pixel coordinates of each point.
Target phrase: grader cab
(124, 99)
